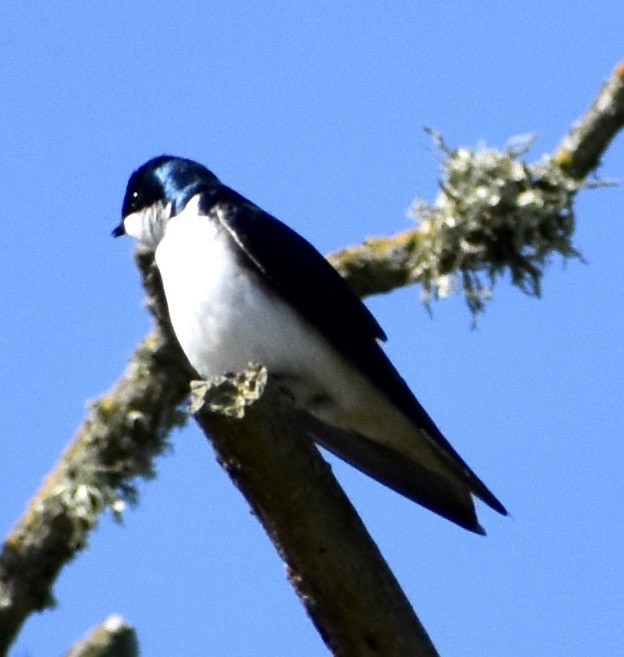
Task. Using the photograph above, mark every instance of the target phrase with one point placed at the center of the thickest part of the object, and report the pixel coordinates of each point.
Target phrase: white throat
(148, 226)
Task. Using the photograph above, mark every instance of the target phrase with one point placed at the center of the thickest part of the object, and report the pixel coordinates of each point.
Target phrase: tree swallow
(243, 287)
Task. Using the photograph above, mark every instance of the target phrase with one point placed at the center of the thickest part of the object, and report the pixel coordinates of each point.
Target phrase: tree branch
(580, 151)
(119, 440)
(112, 638)
(495, 214)
(333, 564)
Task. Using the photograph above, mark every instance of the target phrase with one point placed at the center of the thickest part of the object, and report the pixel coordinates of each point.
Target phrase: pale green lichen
(229, 394)
(494, 214)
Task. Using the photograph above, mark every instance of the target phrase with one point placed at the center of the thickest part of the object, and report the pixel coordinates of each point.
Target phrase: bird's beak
(119, 231)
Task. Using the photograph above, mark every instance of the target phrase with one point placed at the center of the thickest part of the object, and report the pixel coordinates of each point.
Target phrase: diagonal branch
(335, 567)
(123, 433)
(580, 151)
(495, 214)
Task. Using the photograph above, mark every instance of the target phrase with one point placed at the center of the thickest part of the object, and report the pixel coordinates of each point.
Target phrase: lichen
(494, 214)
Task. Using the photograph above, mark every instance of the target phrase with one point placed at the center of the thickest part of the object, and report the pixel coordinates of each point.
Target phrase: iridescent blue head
(157, 191)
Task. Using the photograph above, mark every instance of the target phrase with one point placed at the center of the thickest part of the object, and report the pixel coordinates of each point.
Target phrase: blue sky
(316, 112)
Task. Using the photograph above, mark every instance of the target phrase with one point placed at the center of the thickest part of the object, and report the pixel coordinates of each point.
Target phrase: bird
(241, 287)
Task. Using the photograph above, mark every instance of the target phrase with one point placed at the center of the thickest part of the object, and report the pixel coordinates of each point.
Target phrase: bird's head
(157, 191)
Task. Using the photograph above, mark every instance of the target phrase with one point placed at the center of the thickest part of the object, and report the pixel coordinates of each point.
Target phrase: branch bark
(335, 567)
(112, 638)
(580, 151)
(119, 440)
(495, 215)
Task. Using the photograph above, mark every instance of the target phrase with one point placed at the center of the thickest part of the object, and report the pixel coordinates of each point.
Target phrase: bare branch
(580, 152)
(112, 638)
(333, 564)
(122, 435)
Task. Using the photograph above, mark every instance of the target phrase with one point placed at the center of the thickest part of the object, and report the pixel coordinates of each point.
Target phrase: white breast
(224, 320)
(220, 317)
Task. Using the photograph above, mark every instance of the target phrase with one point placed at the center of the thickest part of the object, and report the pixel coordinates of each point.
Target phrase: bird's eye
(135, 200)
